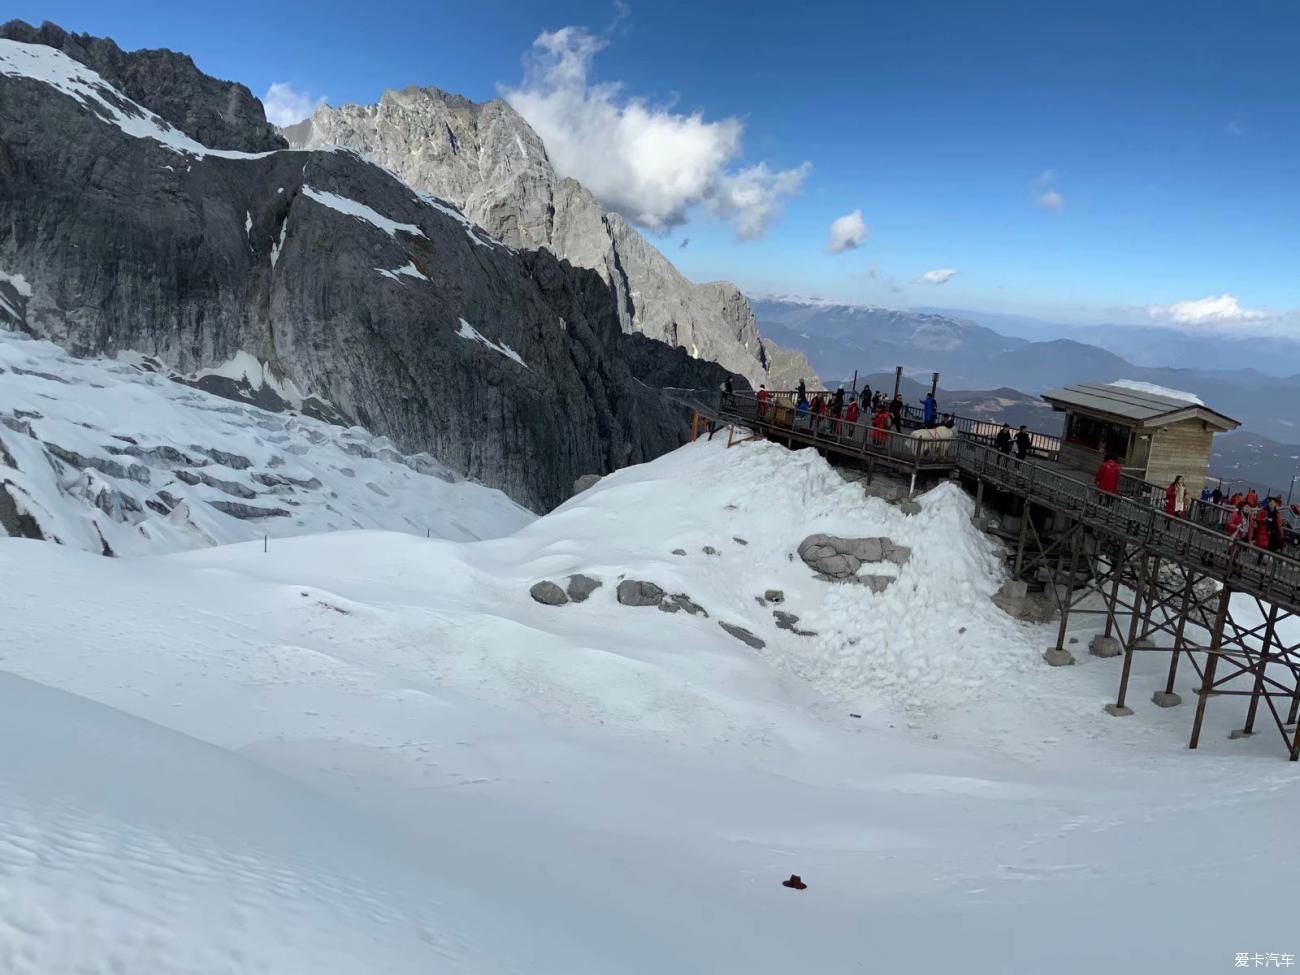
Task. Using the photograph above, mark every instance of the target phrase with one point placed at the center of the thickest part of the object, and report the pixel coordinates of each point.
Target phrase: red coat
(851, 414)
(1238, 528)
(1262, 519)
(1108, 475)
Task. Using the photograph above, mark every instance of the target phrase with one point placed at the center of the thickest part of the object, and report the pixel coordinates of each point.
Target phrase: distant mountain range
(1156, 346)
(839, 339)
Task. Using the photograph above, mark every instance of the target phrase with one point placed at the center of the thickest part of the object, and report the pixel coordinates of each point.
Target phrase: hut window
(1098, 435)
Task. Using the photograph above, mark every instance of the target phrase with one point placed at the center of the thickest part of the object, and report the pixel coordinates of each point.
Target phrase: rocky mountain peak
(218, 114)
(487, 160)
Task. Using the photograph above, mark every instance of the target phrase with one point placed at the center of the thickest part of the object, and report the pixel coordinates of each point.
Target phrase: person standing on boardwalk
(1176, 498)
(801, 391)
(896, 413)
(851, 415)
(1269, 532)
(930, 409)
(1003, 440)
(1107, 479)
(1023, 442)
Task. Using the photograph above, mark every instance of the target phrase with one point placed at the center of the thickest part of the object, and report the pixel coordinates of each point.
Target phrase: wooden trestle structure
(1177, 586)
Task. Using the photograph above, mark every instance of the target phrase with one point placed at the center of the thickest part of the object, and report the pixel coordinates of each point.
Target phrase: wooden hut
(1156, 437)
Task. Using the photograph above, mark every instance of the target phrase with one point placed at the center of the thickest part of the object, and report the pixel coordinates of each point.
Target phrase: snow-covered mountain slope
(365, 752)
(117, 456)
(488, 161)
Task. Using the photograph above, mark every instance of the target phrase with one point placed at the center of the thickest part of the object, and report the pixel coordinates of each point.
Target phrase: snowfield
(114, 455)
(367, 751)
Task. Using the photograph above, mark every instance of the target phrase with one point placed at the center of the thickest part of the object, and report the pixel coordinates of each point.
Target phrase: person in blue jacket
(931, 407)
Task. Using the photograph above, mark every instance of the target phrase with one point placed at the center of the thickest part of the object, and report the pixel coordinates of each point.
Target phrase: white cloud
(1234, 128)
(847, 232)
(1222, 310)
(286, 105)
(648, 162)
(1050, 200)
(939, 276)
(1045, 196)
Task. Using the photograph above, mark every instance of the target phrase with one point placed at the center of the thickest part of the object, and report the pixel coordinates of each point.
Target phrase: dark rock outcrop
(634, 592)
(548, 594)
(743, 635)
(345, 287)
(581, 587)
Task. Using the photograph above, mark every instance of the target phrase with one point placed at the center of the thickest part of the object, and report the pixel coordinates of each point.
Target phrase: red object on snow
(794, 883)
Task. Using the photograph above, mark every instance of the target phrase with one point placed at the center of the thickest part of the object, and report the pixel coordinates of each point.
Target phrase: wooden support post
(1258, 687)
(934, 383)
(1020, 546)
(695, 425)
(1188, 593)
(1119, 708)
(1211, 665)
(898, 379)
(979, 497)
(1112, 604)
(1069, 587)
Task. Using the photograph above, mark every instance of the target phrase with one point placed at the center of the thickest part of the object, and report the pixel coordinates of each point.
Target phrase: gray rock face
(219, 114)
(380, 307)
(485, 159)
(549, 594)
(585, 482)
(632, 592)
(841, 558)
(581, 587)
(743, 635)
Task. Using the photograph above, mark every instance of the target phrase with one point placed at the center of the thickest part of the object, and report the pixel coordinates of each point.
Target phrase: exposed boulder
(549, 594)
(841, 558)
(679, 551)
(633, 592)
(774, 595)
(585, 482)
(680, 601)
(743, 635)
(581, 587)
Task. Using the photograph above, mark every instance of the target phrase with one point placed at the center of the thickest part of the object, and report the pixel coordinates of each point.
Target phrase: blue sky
(1068, 160)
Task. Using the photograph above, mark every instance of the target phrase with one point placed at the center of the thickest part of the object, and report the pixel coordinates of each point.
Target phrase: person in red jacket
(1252, 498)
(1241, 524)
(762, 396)
(1269, 533)
(881, 424)
(851, 414)
(1107, 479)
